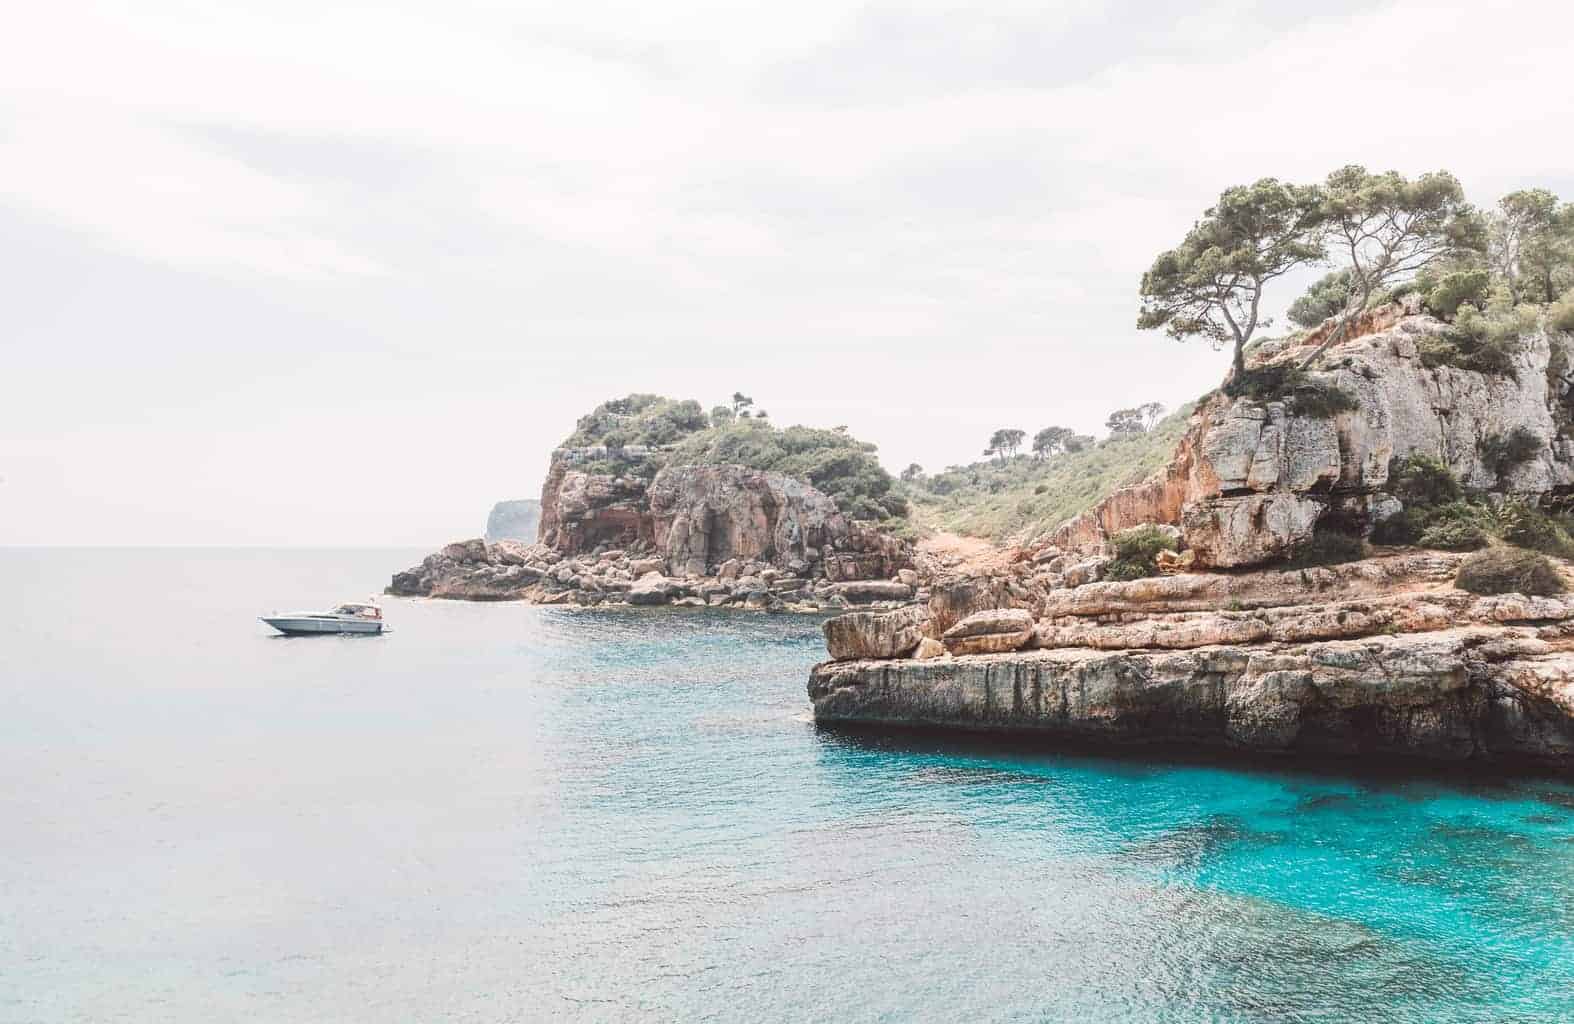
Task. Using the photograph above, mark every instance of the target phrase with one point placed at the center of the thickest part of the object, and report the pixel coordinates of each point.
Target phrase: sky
(310, 274)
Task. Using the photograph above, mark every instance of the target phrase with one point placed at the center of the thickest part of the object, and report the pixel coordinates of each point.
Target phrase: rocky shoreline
(475, 570)
(1401, 665)
(690, 536)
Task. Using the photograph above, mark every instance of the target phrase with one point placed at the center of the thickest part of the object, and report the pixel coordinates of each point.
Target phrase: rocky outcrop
(614, 529)
(989, 632)
(859, 635)
(1382, 655)
(514, 520)
(1250, 480)
(1490, 694)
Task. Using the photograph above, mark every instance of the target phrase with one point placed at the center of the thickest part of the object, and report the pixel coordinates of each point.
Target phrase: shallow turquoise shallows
(500, 812)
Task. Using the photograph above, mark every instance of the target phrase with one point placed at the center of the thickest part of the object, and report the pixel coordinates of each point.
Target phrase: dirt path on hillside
(972, 555)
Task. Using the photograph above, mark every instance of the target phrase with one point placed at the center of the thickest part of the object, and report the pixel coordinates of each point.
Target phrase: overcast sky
(280, 273)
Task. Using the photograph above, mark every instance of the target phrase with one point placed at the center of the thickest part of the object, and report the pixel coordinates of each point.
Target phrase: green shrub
(1420, 479)
(1120, 571)
(1455, 289)
(1453, 535)
(1284, 382)
(1454, 526)
(1503, 453)
(1508, 571)
(836, 463)
(1137, 552)
(1325, 298)
(1486, 342)
(1526, 526)
(638, 419)
(1143, 542)
(1560, 315)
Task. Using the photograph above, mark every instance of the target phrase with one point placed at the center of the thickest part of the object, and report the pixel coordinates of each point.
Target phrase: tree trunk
(1238, 365)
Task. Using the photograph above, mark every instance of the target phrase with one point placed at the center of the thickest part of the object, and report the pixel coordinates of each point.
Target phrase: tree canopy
(1005, 442)
(1532, 244)
(840, 465)
(1211, 285)
(1386, 228)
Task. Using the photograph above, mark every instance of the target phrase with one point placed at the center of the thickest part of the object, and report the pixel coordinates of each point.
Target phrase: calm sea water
(510, 813)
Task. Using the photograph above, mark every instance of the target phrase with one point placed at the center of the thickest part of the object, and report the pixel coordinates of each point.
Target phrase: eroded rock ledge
(1382, 656)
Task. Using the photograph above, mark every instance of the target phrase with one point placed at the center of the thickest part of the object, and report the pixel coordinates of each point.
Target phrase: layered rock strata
(1381, 656)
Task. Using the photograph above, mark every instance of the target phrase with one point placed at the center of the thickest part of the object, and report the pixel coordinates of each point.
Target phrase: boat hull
(307, 625)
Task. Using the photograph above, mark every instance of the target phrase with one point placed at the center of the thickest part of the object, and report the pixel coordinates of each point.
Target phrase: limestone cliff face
(1495, 694)
(1251, 480)
(698, 518)
(698, 535)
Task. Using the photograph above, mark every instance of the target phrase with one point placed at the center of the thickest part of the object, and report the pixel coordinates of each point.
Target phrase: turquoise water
(510, 813)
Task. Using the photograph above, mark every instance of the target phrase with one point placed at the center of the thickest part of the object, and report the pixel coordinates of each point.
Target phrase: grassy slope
(1002, 500)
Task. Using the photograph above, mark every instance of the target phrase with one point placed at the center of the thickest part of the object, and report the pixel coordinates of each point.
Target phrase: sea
(499, 812)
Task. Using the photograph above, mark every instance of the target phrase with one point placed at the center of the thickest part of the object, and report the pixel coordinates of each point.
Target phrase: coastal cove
(508, 811)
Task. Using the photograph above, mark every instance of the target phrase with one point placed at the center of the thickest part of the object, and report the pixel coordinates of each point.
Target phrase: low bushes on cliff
(1137, 551)
(1001, 499)
(1486, 341)
(836, 463)
(1436, 514)
(1283, 382)
(1560, 315)
(638, 419)
(680, 433)
(1509, 571)
(1422, 480)
(1526, 526)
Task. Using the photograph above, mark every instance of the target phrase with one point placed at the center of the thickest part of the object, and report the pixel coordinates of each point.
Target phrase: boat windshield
(365, 611)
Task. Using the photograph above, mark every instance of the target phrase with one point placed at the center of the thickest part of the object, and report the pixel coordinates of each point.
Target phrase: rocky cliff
(1251, 480)
(1383, 655)
(615, 530)
(514, 520)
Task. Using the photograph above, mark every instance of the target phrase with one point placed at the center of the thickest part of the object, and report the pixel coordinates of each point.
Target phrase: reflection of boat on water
(346, 618)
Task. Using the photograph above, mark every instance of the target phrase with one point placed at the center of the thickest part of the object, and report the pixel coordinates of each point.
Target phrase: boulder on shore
(859, 635)
(994, 631)
(652, 588)
(865, 591)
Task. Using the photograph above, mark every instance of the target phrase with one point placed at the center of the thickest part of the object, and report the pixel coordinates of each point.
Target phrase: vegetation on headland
(1005, 497)
(1494, 276)
(1439, 513)
(681, 433)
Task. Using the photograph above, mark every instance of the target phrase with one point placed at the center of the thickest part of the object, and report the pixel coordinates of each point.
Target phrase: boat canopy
(369, 611)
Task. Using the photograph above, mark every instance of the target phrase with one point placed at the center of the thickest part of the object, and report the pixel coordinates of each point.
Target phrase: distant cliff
(519, 519)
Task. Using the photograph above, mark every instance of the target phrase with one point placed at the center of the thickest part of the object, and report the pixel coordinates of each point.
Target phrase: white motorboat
(346, 618)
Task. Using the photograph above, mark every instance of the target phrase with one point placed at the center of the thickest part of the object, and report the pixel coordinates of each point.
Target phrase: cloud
(925, 220)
